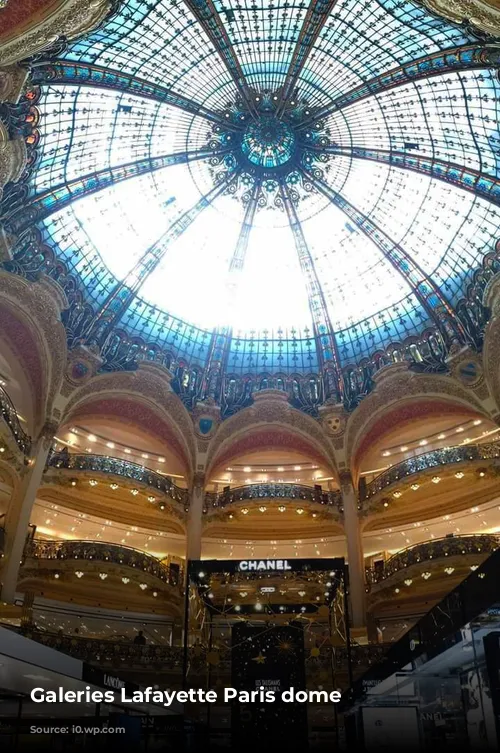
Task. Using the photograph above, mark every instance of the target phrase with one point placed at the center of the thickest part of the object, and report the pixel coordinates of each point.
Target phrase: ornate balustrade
(272, 491)
(104, 552)
(117, 467)
(450, 546)
(9, 415)
(427, 460)
(129, 655)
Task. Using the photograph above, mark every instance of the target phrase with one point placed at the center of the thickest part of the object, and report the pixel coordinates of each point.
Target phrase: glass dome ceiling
(314, 180)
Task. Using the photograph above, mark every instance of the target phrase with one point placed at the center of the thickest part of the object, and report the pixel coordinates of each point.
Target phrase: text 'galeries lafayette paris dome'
(315, 181)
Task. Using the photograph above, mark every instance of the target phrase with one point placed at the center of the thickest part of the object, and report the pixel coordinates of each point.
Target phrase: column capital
(198, 481)
(346, 482)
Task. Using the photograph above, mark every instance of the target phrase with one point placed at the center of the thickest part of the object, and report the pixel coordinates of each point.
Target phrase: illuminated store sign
(264, 565)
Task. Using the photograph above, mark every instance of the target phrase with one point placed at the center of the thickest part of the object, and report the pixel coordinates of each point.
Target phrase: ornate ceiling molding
(69, 19)
(396, 384)
(482, 14)
(278, 412)
(149, 388)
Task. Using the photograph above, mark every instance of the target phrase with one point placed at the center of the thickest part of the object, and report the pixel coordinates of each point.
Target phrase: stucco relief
(70, 19)
(271, 411)
(401, 385)
(143, 385)
(480, 13)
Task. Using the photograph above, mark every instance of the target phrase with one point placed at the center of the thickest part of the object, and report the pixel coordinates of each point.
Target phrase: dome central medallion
(268, 142)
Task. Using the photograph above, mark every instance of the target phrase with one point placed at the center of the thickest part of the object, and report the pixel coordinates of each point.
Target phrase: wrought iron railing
(117, 467)
(427, 460)
(9, 415)
(272, 491)
(450, 546)
(128, 654)
(104, 552)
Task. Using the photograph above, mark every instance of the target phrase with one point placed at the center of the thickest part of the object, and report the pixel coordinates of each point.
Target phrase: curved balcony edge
(434, 549)
(123, 468)
(290, 492)
(426, 461)
(116, 554)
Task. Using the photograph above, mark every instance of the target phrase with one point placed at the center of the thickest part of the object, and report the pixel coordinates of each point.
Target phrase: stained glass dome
(313, 182)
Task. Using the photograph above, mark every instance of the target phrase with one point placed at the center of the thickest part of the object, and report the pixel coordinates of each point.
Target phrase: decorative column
(195, 518)
(354, 555)
(19, 512)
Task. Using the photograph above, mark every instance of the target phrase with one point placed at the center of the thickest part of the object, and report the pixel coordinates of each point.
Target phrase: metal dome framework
(349, 153)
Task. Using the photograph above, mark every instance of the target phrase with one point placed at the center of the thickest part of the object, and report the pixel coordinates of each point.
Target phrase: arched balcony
(447, 456)
(310, 494)
(92, 551)
(122, 468)
(478, 546)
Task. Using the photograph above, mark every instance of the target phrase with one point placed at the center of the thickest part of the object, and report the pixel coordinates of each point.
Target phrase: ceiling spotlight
(262, 508)
(92, 438)
(56, 576)
(397, 495)
(386, 454)
(247, 469)
(386, 504)
(245, 510)
(297, 468)
(415, 487)
(396, 590)
(93, 482)
(426, 575)
(151, 498)
(143, 586)
(408, 582)
(403, 448)
(79, 574)
(113, 486)
(126, 449)
(436, 479)
(155, 593)
(302, 593)
(281, 508)
(111, 445)
(441, 436)
(423, 442)
(103, 576)
(161, 460)
(477, 422)
(449, 570)
(459, 474)
(237, 608)
(125, 580)
(258, 607)
(135, 492)
(300, 511)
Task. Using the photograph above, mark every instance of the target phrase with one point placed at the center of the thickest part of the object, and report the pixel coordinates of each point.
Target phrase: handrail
(104, 552)
(433, 549)
(273, 491)
(433, 459)
(9, 415)
(117, 467)
(106, 650)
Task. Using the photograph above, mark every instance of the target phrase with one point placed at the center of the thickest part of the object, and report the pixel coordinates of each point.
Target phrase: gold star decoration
(260, 659)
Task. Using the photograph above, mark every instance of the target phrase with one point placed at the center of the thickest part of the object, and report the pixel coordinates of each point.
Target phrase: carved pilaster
(12, 81)
(13, 158)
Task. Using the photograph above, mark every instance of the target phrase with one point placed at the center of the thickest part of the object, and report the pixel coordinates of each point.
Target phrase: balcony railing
(272, 491)
(450, 546)
(9, 415)
(129, 655)
(427, 460)
(117, 467)
(104, 552)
